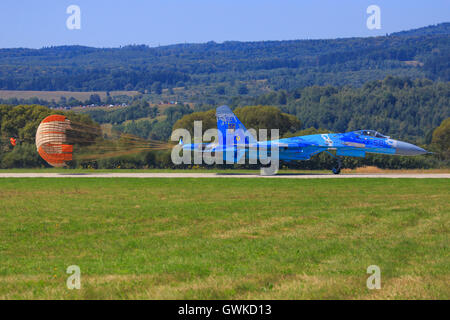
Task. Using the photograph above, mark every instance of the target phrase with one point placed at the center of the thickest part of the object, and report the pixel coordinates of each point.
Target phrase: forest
(403, 108)
(230, 66)
(400, 107)
(416, 111)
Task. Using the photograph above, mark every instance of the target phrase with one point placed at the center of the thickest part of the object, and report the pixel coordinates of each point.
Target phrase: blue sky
(34, 24)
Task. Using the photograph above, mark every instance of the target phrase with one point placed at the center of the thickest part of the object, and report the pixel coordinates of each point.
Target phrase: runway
(224, 175)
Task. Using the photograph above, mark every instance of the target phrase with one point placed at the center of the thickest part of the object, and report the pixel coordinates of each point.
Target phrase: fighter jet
(235, 139)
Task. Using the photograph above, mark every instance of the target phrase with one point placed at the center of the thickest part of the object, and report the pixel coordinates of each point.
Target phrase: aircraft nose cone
(408, 149)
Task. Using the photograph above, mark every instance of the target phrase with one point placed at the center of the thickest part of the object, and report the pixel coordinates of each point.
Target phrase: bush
(22, 156)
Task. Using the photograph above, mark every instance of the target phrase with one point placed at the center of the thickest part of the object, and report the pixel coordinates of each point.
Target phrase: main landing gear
(337, 168)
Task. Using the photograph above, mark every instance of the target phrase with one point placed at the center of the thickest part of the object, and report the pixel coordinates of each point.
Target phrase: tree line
(22, 121)
(400, 107)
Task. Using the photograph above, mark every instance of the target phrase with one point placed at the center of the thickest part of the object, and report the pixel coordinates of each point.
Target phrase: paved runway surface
(221, 175)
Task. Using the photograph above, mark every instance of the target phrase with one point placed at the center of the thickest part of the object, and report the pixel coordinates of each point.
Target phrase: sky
(114, 23)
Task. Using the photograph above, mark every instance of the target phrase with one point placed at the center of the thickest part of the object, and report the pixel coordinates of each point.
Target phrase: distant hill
(56, 95)
(212, 72)
(441, 28)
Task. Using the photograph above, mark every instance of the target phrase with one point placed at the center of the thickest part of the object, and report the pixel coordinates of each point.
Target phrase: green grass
(224, 238)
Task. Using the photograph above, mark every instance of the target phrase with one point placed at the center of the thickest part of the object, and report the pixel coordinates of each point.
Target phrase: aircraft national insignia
(327, 139)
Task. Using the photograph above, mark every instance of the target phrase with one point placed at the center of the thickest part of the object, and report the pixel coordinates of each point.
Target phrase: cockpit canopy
(371, 133)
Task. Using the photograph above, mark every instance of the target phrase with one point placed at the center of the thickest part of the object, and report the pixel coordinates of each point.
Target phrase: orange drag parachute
(51, 140)
(56, 137)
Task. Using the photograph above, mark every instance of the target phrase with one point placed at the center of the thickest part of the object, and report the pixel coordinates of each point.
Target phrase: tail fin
(231, 130)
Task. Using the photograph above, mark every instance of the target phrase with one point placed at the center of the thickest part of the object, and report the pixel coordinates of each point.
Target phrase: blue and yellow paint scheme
(235, 138)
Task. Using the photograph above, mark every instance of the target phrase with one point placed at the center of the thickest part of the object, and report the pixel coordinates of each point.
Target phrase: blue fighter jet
(234, 138)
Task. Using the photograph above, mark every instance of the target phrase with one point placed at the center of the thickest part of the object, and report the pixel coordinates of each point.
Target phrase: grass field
(224, 238)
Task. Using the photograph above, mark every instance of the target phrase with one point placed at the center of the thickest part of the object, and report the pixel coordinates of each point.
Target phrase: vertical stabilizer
(231, 130)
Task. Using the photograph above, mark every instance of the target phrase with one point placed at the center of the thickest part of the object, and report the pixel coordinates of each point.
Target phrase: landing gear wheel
(336, 170)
